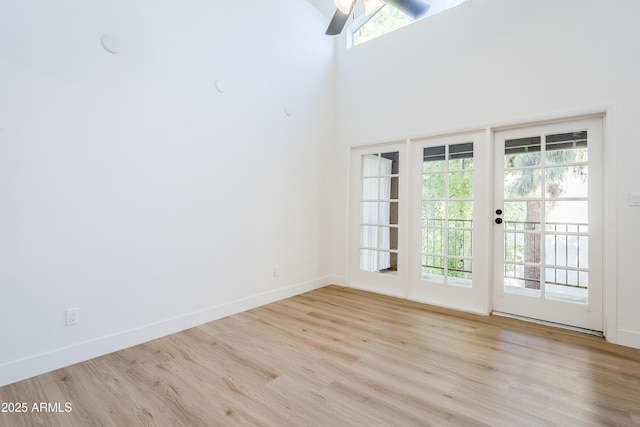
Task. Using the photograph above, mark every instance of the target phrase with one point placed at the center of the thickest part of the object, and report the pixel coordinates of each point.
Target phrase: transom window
(387, 19)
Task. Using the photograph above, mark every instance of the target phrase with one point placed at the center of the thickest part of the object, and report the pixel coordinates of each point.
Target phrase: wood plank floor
(341, 357)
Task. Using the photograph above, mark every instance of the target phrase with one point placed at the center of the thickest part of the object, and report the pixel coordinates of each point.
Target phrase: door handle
(499, 219)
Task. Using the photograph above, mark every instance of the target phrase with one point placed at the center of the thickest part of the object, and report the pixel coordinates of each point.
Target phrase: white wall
(506, 61)
(131, 188)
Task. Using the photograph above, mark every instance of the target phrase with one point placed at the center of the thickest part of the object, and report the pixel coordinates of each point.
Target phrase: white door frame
(608, 114)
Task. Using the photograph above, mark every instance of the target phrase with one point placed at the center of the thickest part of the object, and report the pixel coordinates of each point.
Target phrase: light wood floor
(340, 357)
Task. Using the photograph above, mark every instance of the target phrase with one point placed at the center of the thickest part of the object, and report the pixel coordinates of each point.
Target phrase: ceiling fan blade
(339, 20)
(337, 23)
(413, 8)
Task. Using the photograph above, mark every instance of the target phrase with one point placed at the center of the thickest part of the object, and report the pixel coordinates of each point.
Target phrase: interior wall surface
(496, 62)
(133, 188)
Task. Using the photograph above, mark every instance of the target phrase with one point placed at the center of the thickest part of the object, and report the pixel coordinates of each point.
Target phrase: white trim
(556, 120)
(497, 125)
(450, 134)
(21, 369)
(628, 338)
(347, 218)
(384, 292)
(335, 279)
(407, 219)
(377, 144)
(610, 225)
(551, 118)
(489, 140)
(552, 324)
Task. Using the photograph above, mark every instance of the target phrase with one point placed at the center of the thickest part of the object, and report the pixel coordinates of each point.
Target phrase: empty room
(319, 212)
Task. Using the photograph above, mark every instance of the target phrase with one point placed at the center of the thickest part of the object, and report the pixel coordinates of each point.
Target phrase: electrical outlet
(73, 316)
(276, 272)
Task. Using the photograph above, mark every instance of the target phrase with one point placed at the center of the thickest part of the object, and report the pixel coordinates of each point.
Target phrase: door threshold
(547, 323)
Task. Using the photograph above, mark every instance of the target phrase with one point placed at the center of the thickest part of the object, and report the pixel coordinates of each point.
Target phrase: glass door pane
(447, 214)
(546, 207)
(379, 199)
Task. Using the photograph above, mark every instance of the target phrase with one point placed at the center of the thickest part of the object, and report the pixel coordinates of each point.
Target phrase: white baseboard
(336, 279)
(31, 366)
(628, 338)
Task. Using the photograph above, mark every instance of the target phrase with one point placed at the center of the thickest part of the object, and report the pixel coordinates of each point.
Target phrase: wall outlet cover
(73, 316)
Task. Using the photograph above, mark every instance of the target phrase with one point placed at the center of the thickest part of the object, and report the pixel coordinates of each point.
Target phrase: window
(379, 212)
(447, 213)
(388, 19)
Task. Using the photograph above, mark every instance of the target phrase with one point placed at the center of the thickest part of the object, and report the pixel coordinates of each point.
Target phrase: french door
(450, 226)
(420, 223)
(512, 225)
(548, 237)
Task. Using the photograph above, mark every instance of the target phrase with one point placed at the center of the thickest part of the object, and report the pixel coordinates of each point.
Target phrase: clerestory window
(387, 19)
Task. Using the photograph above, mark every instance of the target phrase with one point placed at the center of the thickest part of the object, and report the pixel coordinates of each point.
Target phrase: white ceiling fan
(413, 8)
